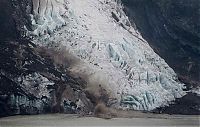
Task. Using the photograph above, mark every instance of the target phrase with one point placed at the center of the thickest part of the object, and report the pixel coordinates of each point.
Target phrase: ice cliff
(113, 52)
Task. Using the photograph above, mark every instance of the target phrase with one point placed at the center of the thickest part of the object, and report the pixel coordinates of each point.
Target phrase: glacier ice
(46, 16)
(135, 74)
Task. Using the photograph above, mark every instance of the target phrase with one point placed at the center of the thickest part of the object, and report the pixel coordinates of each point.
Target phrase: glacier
(112, 52)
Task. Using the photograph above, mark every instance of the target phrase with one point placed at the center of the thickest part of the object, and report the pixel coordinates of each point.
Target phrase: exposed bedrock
(31, 83)
(39, 75)
(171, 27)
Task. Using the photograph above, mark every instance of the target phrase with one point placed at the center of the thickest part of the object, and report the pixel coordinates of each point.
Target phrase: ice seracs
(113, 52)
(47, 16)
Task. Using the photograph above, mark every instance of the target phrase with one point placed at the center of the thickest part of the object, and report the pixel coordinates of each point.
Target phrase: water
(63, 120)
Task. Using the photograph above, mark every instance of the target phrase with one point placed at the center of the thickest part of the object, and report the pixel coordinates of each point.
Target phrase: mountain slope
(31, 82)
(172, 29)
(114, 54)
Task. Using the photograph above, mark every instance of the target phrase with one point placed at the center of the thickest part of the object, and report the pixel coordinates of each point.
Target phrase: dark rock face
(14, 15)
(30, 80)
(188, 104)
(30, 83)
(7, 23)
(172, 28)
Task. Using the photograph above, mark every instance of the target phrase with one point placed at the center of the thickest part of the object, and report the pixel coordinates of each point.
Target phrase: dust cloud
(96, 83)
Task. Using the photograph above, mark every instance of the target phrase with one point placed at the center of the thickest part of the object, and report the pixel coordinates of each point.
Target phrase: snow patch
(196, 90)
(36, 84)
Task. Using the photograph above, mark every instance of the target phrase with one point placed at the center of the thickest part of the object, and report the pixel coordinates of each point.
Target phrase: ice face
(100, 34)
(46, 16)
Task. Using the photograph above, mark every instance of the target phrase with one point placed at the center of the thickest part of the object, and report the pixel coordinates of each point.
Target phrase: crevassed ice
(99, 32)
(46, 16)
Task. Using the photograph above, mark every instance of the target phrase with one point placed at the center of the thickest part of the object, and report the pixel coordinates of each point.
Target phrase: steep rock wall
(172, 30)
